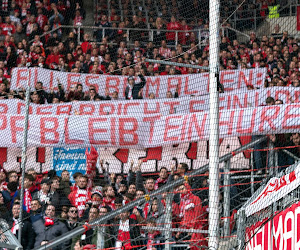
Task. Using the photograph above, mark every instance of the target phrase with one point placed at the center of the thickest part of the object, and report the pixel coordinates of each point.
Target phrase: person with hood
(48, 228)
(190, 214)
(134, 89)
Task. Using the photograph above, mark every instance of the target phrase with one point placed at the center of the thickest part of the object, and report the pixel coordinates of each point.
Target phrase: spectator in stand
(109, 196)
(80, 196)
(29, 191)
(134, 90)
(172, 26)
(48, 228)
(27, 235)
(3, 183)
(104, 23)
(159, 33)
(4, 212)
(35, 211)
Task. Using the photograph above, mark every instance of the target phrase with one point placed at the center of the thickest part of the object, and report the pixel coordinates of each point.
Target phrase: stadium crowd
(52, 205)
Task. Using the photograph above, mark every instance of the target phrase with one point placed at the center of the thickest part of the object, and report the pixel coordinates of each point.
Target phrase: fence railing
(279, 205)
(196, 176)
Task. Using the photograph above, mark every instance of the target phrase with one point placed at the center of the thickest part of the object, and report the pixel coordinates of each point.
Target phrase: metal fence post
(168, 220)
(100, 237)
(226, 205)
(271, 159)
(241, 226)
(78, 35)
(252, 173)
(176, 37)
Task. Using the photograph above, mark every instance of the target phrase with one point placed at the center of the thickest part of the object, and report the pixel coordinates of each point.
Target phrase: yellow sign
(273, 11)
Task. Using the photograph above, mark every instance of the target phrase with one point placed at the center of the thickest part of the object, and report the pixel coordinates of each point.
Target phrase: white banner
(137, 131)
(275, 189)
(193, 84)
(278, 233)
(149, 107)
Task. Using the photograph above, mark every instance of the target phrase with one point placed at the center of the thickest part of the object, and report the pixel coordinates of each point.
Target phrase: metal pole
(226, 204)
(214, 29)
(78, 35)
(100, 237)
(165, 188)
(176, 64)
(24, 149)
(241, 229)
(252, 173)
(271, 158)
(176, 38)
(168, 221)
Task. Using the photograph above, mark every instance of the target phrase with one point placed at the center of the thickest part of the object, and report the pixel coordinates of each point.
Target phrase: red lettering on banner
(51, 80)
(105, 105)
(186, 87)
(291, 118)
(46, 130)
(229, 80)
(113, 131)
(35, 76)
(93, 131)
(248, 130)
(67, 135)
(172, 104)
(278, 232)
(169, 127)
(284, 92)
(259, 79)
(152, 120)
(185, 119)
(115, 86)
(130, 104)
(149, 111)
(256, 102)
(4, 108)
(39, 110)
(91, 77)
(64, 109)
(14, 128)
(20, 77)
(243, 78)
(70, 82)
(195, 102)
(229, 123)
(193, 122)
(86, 109)
(156, 83)
(236, 101)
(268, 118)
(119, 108)
(20, 105)
(222, 99)
(174, 86)
(297, 95)
(125, 131)
(3, 122)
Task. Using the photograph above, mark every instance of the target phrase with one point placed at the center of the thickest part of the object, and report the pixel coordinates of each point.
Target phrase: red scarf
(185, 202)
(151, 237)
(81, 197)
(27, 200)
(146, 210)
(110, 203)
(159, 181)
(124, 235)
(48, 222)
(15, 226)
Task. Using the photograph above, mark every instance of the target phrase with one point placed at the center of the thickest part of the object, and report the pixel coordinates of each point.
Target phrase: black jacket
(136, 88)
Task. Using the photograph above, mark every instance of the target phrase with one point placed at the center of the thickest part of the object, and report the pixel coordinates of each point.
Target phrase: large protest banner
(149, 107)
(192, 84)
(138, 131)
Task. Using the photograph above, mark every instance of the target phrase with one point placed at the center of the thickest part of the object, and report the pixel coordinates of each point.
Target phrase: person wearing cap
(43, 195)
(134, 89)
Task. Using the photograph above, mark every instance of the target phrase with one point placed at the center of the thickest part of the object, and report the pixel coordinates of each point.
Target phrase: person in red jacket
(190, 208)
(81, 195)
(172, 26)
(53, 57)
(86, 46)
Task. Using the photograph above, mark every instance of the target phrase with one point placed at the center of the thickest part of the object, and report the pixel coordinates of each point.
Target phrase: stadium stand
(52, 202)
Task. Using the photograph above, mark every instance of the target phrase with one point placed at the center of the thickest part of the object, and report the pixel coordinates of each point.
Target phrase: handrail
(46, 33)
(131, 205)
